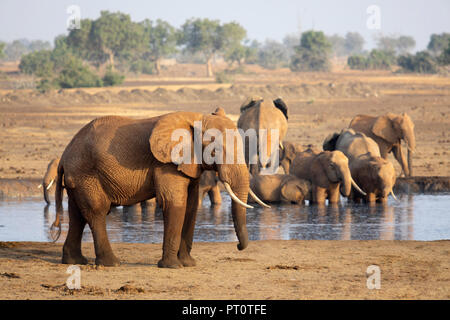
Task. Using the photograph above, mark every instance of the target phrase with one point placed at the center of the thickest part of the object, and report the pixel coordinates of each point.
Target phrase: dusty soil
(36, 127)
(265, 270)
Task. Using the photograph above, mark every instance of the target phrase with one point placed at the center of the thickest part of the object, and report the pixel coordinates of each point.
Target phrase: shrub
(112, 78)
(38, 63)
(377, 59)
(224, 77)
(142, 66)
(77, 75)
(357, 62)
(421, 62)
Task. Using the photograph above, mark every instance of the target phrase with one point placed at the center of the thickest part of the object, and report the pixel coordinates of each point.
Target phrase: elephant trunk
(46, 185)
(411, 144)
(237, 179)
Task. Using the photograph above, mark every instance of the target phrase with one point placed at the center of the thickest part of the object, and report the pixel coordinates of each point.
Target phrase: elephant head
(203, 147)
(393, 128)
(332, 167)
(288, 153)
(295, 191)
(49, 178)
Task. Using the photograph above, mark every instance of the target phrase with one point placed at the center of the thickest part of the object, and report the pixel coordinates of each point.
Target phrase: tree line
(113, 44)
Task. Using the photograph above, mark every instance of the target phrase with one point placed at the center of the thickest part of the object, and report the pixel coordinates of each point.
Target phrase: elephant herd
(118, 161)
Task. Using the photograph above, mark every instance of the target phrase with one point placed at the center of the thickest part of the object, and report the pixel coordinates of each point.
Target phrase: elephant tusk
(40, 186)
(281, 145)
(393, 195)
(234, 197)
(258, 200)
(357, 187)
(50, 185)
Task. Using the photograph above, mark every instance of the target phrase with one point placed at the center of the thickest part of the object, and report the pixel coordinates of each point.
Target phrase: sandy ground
(35, 129)
(265, 270)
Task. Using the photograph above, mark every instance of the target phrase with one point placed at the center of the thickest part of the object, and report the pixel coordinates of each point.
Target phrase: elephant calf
(282, 188)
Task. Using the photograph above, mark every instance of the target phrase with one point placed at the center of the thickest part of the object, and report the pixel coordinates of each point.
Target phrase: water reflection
(420, 217)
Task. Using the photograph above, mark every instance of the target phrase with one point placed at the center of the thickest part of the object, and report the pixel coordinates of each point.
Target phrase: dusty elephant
(259, 114)
(388, 130)
(281, 188)
(209, 185)
(121, 161)
(375, 175)
(328, 173)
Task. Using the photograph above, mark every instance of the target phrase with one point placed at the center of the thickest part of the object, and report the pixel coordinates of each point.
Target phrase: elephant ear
(289, 150)
(280, 104)
(329, 144)
(288, 191)
(384, 128)
(162, 144)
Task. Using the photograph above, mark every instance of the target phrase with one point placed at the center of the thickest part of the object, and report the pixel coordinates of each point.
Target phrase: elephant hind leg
(94, 208)
(72, 245)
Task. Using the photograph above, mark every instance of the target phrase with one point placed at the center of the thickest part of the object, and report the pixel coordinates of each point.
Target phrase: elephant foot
(172, 263)
(107, 261)
(71, 259)
(187, 261)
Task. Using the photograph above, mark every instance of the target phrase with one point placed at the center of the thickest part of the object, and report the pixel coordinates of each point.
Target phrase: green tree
(444, 58)
(438, 43)
(273, 55)
(399, 45)
(16, 49)
(313, 53)
(405, 44)
(160, 41)
(354, 43)
(2, 47)
(337, 45)
(114, 35)
(210, 37)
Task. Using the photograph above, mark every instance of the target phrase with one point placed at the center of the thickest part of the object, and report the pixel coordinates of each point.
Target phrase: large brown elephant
(259, 114)
(281, 188)
(375, 175)
(49, 178)
(388, 131)
(121, 161)
(328, 173)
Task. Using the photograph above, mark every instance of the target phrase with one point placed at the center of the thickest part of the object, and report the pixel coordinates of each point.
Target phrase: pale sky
(273, 19)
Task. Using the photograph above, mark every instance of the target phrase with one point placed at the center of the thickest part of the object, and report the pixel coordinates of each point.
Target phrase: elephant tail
(55, 229)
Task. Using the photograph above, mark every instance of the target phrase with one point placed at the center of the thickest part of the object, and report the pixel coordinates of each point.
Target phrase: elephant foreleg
(187, 234)
(333, 194)
(214, 195)
(319, 195)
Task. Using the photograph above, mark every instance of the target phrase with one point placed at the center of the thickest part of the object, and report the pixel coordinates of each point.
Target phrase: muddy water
(414, 217)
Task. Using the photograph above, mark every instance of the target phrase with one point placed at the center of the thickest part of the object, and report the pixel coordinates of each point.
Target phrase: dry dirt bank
(265, 270)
